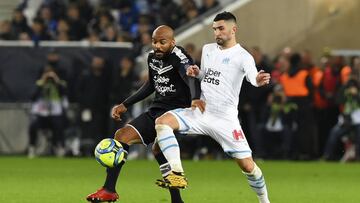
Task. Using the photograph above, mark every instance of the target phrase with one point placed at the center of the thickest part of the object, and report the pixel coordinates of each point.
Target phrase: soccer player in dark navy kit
(173, 89)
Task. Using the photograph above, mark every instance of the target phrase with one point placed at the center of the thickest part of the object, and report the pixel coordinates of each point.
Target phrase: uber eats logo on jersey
(212, 76)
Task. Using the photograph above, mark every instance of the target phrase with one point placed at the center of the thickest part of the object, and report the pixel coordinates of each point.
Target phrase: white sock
(169, 146)
(257, 183)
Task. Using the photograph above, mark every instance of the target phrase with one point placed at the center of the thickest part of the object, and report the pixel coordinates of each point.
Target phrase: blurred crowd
(310, 111)
(105, 20)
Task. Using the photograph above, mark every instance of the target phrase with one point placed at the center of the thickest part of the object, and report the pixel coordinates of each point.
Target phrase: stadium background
(328, 29)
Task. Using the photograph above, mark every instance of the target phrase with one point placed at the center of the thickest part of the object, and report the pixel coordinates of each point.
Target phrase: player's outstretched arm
(195, 71)
(117, 110)
(262, 78)
(145, 90)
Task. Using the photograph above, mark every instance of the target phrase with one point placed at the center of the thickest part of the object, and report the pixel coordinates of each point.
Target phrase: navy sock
(165, 169)
(112, 174)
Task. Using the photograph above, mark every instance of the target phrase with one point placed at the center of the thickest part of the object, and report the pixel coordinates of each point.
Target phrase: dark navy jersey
(167, 77)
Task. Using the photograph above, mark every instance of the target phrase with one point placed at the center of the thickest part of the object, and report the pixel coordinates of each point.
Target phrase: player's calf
(257, 183)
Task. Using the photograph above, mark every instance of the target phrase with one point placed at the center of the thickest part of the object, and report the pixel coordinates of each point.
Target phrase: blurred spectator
(144, 45)
(5, 31)
(93, 97)
(170, 13)
(85, 8)
(48, 110)
(287, 52)
(327, 107)
(297, 86)
(93, 37)
(19, 23)
(282, 65)
(189, 10)
(62, 30)
(24, 36)
(53, 58)
(355, 66)
(348, 124)
(319, 102)
(110, 34)
(38, 31)
(261, 60)
(192, 14)
(50, 23)
(129, 15)
(278, 129)
(78, 26)
(207, 5)
(124, 82)
(143, 26)
(57, 7)
(193, 52)
(252, 104)
(101, 21)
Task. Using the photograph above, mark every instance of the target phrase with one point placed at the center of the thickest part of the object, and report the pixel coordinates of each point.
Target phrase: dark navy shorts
(144, 124)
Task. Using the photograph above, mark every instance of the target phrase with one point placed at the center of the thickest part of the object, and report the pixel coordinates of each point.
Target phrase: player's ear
(234, 28)
(173, 42)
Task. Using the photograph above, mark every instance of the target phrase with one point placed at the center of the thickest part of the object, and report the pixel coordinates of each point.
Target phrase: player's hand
(193, 71)
(263, 78)
(117, 110)
(198, 103)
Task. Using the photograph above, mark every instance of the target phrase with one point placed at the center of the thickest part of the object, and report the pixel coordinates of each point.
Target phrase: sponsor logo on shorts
(238, 135)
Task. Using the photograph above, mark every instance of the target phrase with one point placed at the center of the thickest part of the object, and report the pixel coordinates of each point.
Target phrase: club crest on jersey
(226, 60)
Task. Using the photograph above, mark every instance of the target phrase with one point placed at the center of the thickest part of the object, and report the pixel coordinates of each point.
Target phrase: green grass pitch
(69, 180)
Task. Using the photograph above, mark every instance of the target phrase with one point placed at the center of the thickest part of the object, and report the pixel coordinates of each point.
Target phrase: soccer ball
(109, 152)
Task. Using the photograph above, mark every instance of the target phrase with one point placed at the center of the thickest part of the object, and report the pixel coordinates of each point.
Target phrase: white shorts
(225, 130)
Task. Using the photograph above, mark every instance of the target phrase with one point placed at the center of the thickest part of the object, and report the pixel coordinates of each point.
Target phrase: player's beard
(159, 54)
(220, 41)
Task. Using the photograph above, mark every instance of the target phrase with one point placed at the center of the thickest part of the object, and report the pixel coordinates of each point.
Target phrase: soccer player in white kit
(224, 65)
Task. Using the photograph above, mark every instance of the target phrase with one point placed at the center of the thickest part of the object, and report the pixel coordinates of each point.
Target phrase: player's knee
(162, 120)
(166, 122)
(123, 136)
(246, 165)
(161, 128)
(127, 135)
(120, 136)
(248, 168)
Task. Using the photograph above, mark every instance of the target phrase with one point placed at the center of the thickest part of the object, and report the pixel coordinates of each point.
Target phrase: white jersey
(222, 73)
